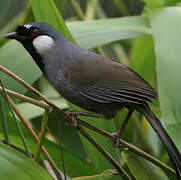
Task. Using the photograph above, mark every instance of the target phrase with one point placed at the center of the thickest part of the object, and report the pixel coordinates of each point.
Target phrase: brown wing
(105, 81)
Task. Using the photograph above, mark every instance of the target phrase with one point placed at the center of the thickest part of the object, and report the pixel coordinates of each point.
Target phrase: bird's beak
(11, 35)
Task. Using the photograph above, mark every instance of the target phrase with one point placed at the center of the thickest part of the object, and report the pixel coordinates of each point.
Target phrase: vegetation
(144, 35)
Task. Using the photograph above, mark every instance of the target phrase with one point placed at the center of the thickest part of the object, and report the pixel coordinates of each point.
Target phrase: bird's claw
(74, 120)
(116, 139)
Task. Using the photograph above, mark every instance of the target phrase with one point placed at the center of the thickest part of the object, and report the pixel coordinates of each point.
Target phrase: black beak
(11, 35)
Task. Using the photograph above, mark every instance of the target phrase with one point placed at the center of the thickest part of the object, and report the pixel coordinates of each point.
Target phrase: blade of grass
(52, 16)
(141, 168)
(14, 165)
(121, 7)
(166, 27)
(17, 124)
(4, 121)
(61, 152)
(41, 135)
(31, 131)
(85, 124)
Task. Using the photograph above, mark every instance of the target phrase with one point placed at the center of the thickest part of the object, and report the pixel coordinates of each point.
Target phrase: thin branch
(97, 130)
(106, 154)
(68, 117)
(129, 146)
(61, 152)
(40, 95)
(16, 122)
(25, 98)
(36, 138)
(122, 8)
(81, 16)
(4, 121)
(85, 124)
(77, 9)
(41, 136)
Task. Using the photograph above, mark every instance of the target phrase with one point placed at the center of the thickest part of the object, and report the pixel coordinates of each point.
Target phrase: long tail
(172, 150)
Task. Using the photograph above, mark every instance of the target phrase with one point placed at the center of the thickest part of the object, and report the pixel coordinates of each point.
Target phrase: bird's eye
(34, 32)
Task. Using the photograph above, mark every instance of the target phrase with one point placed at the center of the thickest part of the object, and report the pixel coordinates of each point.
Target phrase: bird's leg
(74, 114)
(120, 132)
(78, 113)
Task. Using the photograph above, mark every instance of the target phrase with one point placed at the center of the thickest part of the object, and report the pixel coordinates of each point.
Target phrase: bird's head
(36, 36)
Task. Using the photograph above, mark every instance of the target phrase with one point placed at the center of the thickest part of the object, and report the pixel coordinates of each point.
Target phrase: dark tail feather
(172, 150)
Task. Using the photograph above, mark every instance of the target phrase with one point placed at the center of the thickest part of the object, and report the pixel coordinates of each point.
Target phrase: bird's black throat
(35, 55)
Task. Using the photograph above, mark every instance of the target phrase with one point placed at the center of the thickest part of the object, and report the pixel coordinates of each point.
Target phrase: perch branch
(28, 127)
(80, 122)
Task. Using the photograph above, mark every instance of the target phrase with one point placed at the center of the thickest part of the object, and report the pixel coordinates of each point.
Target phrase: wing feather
(94, 79)
(108, 96)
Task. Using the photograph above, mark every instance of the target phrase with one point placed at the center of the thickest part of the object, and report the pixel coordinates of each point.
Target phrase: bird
(91, 81)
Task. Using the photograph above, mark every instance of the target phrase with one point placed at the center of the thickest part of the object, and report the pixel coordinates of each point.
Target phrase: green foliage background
(144, 35)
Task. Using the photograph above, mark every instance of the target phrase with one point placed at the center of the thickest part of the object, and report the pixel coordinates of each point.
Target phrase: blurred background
(135, 50)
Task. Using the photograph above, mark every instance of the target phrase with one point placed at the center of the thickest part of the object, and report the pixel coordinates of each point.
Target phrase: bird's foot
(78, 113)
(116, 140)
(74, 121)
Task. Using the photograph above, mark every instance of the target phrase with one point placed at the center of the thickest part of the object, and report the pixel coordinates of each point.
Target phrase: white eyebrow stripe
(28, 26)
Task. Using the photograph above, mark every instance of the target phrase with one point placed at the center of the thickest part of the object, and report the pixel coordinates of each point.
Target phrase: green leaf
(75, 166)
(141, 168)
(154, 3)
(166, 27)
(89, 34)
(15, 58)
(143, 58)
(30, 111)
(171, 2)
(69, 136)
(46, 11)
(14, 21)
(10, 10)
(14, 166)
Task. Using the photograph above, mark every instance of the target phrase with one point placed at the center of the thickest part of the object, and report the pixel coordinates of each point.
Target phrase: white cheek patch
(43, 44)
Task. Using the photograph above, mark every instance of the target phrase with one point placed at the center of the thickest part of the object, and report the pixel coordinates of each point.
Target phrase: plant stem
(77, 9)
(17, 124)
(61, 152)
(41, 136)
(25, 98)
(121, 7)
(96, 6)
(4, 121)
(106, 154)
(31, 88)
(70, 119)
(81, 15)
(97, 130)
(56, 170)
(129, 146)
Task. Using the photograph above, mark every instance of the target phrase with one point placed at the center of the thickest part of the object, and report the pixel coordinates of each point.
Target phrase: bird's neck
(36, 57)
